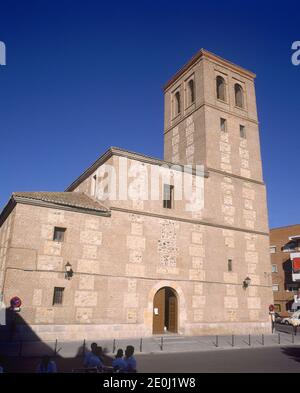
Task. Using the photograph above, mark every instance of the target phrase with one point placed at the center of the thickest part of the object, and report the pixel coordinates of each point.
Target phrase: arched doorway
(165, 311)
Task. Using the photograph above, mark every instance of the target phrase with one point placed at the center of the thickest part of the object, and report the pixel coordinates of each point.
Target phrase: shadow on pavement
(292, 353)
(21, 349)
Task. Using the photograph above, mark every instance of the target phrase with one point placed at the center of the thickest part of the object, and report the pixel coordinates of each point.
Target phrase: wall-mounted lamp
(68, 271)
(246, 282)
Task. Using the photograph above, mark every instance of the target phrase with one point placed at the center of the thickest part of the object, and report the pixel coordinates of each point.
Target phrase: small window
(191, 92)
(59, 234)
(274, 269)
(275, 287)
(168, 196)
(272, 249)
(177, 104)
(292, 288)
(220, 86)
(230, 265)
(242, 131)
(223, 125)
(277, 307)
(58, 296)
(239, 95)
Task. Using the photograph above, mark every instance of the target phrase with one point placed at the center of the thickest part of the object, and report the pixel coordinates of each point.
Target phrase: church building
(138, 246)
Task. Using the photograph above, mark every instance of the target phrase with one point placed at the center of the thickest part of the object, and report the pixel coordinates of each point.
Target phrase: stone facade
(121, 259)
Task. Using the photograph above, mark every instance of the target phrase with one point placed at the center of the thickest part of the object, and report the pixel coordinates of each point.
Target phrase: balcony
(297, 299)
(295, 258)
(290, 249)
(293, 245)
(296, 276)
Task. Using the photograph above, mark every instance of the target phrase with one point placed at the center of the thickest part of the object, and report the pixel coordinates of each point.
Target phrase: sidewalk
(155, 344)
(169, 343)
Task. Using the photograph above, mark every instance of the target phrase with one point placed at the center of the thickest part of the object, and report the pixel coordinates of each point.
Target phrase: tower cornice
(205, 54)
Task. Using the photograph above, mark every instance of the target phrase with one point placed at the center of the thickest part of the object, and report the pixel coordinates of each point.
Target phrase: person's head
(129, 351)
(94, 347)
(119, 353)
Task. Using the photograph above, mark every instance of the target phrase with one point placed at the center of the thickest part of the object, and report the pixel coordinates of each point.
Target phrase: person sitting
(100, 353)
(46, 366)
(119, 364)
(130, 360)
(93, 358)
(89, 354)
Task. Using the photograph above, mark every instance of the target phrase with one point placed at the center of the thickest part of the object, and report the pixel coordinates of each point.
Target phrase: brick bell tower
(211, 119)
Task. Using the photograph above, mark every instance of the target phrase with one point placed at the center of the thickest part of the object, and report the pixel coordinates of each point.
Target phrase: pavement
(274, 359)
(170, 353)
(156, 344)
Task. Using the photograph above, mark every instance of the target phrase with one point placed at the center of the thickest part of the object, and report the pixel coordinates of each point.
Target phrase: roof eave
(115, 151)
(104, 157)
(35, 202)
(8, 208)
(203, 53)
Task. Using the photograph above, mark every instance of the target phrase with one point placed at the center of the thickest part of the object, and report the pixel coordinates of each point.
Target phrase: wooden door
(173, 314)
(159, 312)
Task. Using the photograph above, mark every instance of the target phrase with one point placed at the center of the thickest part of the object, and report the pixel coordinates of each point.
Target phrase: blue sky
(82, 76)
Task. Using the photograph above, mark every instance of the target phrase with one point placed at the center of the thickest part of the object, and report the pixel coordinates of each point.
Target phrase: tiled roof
(71, 199)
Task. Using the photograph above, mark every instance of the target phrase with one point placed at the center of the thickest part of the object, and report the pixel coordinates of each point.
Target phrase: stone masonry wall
(119, 262)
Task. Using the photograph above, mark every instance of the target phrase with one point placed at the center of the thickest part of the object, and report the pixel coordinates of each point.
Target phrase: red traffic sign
(271, 307)
(15, 302)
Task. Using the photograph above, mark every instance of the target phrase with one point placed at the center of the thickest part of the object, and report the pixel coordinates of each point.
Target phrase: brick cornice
(203, 53)
(188, 220)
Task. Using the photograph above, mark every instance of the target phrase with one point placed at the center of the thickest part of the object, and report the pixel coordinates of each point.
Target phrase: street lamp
(68, 271)
(246, 282)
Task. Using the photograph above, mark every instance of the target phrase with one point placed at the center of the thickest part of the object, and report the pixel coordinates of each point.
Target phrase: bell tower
(211, 117)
